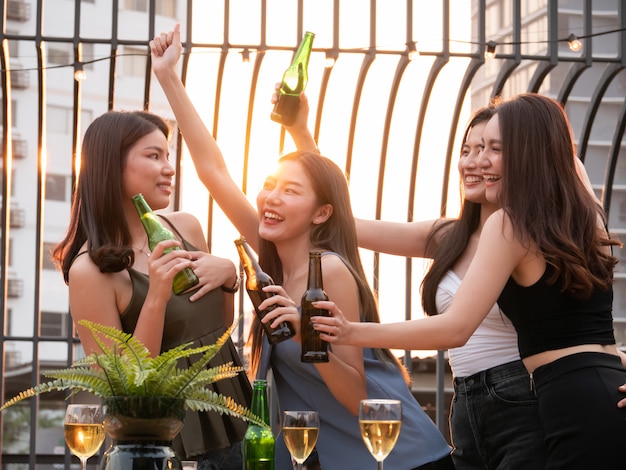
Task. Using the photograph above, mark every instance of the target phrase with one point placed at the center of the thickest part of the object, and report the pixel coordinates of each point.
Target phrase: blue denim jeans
(229, 458)
(494, 421)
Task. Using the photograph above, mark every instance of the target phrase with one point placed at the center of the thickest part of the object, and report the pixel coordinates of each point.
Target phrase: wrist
(232, 288)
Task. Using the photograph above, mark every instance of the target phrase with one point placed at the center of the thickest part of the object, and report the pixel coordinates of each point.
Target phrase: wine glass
(380, 422)
(84, 432)
(300, 431)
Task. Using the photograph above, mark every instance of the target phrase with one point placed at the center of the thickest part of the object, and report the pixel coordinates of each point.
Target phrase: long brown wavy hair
(546, 200)
(337, 234)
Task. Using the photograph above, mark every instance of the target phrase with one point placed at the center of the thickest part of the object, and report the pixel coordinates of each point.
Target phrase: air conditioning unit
(18, 217)
(15, 288)
(20, 78)
(19, 147)
(18, 10)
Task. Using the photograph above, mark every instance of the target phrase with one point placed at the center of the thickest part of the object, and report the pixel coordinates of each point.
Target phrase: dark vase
(141, 431)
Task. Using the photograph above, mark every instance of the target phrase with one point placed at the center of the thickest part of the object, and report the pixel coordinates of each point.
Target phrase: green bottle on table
(156, 232)
(258, 443)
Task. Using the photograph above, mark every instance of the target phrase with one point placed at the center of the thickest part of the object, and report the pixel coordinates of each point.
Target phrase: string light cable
(572, 40)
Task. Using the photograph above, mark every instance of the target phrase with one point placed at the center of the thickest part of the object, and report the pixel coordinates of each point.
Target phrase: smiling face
(288, 206)
(490, 160)
(149, 171)
(469, 171)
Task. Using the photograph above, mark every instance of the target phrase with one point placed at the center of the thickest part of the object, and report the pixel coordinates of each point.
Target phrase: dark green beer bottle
(294, 81)
(186, 278)
(256, 280)
(258, 443)
(314, 349)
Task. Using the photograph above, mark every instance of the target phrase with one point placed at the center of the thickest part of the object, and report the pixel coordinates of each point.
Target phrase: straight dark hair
(96, 215)
(449, 238)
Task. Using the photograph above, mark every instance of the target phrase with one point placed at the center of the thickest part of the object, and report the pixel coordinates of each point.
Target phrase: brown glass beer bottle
(313, 348)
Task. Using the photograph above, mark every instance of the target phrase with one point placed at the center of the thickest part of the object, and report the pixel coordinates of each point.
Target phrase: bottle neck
(315, 271)
(259, 405)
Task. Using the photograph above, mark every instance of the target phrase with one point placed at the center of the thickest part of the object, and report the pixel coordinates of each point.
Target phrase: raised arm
(497, 256)
(206, 155)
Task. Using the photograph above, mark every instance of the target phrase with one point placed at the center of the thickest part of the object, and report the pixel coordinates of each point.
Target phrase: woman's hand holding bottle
(286, 310)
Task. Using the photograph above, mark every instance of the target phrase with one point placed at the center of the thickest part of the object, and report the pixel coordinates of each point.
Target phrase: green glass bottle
(258, 443)
(294, 82)
(256, 280)
(314, 349)
(186, 278)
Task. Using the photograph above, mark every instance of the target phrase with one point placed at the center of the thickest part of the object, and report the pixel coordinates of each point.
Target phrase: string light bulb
(331, 59)
(245, 56)
(490, 52)
(79, 72)
(412, 52)
(574, 43)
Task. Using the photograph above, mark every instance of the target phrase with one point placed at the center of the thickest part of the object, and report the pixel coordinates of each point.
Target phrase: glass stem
(380, 465)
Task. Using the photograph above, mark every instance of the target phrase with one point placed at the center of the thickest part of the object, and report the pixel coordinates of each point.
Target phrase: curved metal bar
(542, 70)
(616, 145)
(573, 75)
(395, 83)
(610, 72)
(505, 72)
(470, 72)
(365, 66)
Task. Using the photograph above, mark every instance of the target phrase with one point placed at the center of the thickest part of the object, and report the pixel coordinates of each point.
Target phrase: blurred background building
(392, 83)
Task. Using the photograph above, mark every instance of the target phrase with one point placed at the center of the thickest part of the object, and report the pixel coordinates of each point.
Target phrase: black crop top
(547, 319)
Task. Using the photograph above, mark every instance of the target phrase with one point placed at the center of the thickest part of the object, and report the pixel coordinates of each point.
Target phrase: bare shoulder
(189, 227)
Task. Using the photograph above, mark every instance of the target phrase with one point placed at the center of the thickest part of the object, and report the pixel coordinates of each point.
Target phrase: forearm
(426, 333)
(303, 139)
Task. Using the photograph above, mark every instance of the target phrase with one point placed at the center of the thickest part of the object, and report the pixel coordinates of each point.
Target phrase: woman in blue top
(305, 205)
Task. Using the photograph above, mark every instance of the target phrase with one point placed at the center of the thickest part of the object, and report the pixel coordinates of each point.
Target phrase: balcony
(18, 10)
(15, 288)
(20, 78)
(17, 217)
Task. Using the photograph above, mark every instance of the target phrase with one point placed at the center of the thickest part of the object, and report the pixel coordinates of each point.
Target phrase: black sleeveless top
(546, 318)
(202, 323)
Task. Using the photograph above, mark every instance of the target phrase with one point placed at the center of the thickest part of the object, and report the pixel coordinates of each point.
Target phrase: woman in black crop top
(115, 280)
(545, 257)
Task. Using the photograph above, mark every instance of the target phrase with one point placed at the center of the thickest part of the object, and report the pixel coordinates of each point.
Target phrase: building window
(62, 53)
(162, 7)
(53, 324)
(60, 119)
(134, 62)
(57, 187)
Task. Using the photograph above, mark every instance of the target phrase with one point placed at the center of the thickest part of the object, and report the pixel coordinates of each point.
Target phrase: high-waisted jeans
(494, 421)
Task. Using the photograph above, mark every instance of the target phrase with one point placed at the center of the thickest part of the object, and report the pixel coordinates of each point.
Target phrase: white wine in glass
(84, 433)
(380, 422)
(300, 431)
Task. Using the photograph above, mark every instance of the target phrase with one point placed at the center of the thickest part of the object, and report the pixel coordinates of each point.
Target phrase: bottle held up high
(186, 278)
(293, 83)
(256, 280)
(258, 442)
(314, 349)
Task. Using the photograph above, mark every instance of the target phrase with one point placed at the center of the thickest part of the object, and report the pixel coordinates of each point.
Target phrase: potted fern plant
(144, 397)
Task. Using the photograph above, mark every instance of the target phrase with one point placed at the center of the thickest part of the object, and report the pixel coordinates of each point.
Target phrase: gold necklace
(140, 250)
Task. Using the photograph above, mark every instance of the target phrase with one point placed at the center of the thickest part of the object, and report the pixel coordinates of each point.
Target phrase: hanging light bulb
(490, 52)
(574, 43)
(331, 59)
(245, 56)
(79, 72)
(412, 53)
